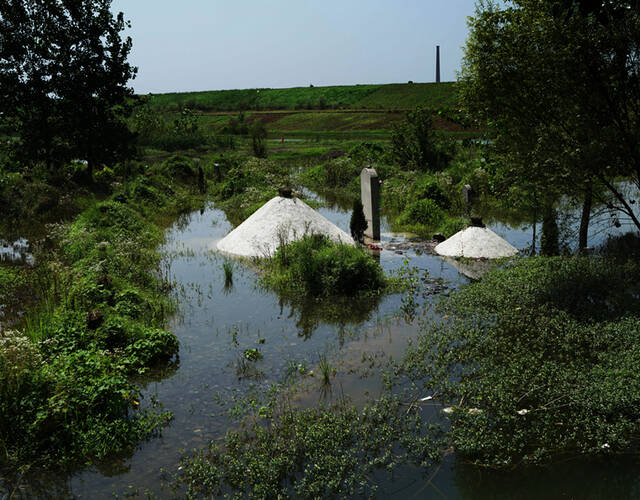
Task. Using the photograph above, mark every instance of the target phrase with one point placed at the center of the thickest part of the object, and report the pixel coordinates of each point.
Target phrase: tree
(415, 145)
(558, 82)
(63, 81)
(258, 134)
(358, 222)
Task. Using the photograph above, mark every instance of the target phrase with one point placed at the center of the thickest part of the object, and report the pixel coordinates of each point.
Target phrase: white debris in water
(279, 221)
(476, 243)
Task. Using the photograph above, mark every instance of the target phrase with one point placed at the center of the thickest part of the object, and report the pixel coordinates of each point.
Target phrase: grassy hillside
(391, 96)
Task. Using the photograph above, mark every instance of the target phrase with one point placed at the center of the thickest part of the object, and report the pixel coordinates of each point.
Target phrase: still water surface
(216, 324)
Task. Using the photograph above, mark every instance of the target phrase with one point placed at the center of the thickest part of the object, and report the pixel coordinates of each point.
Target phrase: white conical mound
(280, 220)
(476, 243)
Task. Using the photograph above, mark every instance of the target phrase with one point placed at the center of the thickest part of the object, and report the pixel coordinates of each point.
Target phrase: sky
(235, 44)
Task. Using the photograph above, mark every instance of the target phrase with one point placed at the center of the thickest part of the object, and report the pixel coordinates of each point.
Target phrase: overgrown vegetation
(538, 361)
(314, 453)
(244, 185)
(66, 389)
(316, 266)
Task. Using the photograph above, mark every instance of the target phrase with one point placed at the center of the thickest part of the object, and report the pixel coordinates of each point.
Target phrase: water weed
(320, 452)
(227, 267)
(537, 360)
(326, 370)
(315, 266)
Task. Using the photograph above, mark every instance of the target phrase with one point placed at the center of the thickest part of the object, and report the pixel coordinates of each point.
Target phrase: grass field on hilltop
(389, 96)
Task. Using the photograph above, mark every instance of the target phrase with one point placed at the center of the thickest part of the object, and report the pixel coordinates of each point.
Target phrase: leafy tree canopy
(63, 81)
(559, 83)
(415, 144)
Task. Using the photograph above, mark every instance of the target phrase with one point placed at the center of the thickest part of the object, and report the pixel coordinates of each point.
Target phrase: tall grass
(326, 370)
(227, 267)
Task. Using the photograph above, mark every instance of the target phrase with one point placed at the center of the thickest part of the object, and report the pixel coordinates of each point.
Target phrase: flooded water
(16, 252)
(217, 323)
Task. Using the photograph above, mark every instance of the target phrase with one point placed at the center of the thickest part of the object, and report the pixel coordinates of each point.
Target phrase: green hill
(391, 96)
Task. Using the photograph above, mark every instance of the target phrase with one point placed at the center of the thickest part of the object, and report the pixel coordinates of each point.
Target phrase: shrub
(452, 225)
(258, 134)
(340, 172)
(415, 145)
(366, 153)
(427, 186)
(104, 177)
(180, 167)
(358, 223)
(235, 182)
(426, 212)
(316, 266)
(545, 352)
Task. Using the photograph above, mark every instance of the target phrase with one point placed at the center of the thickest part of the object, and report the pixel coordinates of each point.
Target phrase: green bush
(538, 360)
(366, 153)
(452, 225)
(316, 266)
(340, 172)
(180, 167)
(426, 212)
(66, 390)
(314, 453)
(104, 177)
(427, 186)
(415, 145)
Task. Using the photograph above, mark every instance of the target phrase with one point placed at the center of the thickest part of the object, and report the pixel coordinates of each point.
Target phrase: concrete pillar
(370, 189)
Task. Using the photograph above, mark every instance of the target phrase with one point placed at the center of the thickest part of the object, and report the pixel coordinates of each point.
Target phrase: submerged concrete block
(370, 190)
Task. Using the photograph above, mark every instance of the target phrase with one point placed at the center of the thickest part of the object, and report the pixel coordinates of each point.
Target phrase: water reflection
(216, 324)
(310, 313)
(16, 252)
(611, 477)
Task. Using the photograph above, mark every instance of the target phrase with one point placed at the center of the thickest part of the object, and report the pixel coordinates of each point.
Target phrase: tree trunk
(549, 241)
(586, 216)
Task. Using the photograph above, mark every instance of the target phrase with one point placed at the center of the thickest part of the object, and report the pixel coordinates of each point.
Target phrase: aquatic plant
(252, 354)
(316, 266)
(313, 453)
(227, 267)
(545, 353)
(326, 370)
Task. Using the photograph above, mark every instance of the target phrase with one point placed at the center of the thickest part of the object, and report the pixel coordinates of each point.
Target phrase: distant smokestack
(437, 63)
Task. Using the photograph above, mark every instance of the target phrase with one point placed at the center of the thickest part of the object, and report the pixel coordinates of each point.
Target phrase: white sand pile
(280, 220)
(476, 243)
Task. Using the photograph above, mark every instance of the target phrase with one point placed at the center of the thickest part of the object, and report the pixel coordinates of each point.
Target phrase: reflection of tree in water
(28, 483)
(337, 200)
(610, 478)
(310, 313)
(158, 373)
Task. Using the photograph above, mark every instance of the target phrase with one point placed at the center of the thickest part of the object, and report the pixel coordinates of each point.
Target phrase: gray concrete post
(370, 190)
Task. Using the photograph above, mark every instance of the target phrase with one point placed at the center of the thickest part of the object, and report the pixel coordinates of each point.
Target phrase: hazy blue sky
(227, 44)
